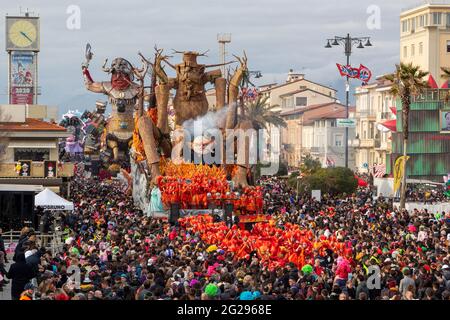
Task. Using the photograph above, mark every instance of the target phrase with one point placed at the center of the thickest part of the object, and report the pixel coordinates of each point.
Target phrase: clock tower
(22, 45)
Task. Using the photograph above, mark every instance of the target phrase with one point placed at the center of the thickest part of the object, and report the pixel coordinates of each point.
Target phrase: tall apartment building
(424, 41)
(425, 38)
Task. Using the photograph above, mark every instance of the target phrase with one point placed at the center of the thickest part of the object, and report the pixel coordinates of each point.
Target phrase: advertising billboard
(445, 121)
(22, 77)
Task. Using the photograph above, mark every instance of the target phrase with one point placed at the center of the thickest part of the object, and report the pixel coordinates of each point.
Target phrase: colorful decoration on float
(362, 73)
(275, 247)
(249, 94)
(50, 169)
(189, 184)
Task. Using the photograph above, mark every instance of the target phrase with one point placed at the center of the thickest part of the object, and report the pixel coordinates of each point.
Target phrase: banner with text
(22, 77)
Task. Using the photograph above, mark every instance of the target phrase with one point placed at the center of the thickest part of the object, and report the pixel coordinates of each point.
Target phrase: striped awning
(32, 145)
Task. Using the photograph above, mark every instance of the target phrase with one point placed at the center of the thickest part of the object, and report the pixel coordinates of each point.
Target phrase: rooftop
(425, 4)
(332, 111)
(302, 90)
(295, 81)
(31, 124)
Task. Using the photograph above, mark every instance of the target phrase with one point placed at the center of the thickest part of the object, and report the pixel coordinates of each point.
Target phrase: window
(413, 25)
(405, 26)
(413, 50)
(338, 140)
(420, 48)
(32, 154)
(448, 46)
(301, 101)
(405, 51)
(421, 21)
(448, 20)
(333, 123)
(436, 18)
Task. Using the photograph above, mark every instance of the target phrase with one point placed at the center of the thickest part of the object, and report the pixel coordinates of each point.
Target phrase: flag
(348, 71)
(445, 85)
(330, 162)
(364, 74)
(432, 83)
(398, 172)
(379, 170)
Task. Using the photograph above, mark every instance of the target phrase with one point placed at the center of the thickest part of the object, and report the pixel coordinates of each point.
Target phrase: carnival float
(138, 142)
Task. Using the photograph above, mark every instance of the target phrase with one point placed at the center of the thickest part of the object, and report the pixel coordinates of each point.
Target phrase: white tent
(47, 199)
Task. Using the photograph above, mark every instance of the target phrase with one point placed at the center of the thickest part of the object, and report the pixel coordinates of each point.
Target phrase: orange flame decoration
(275, 247)
(189, 184)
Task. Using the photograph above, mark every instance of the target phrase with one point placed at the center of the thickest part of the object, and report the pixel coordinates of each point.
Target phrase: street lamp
(348, 43)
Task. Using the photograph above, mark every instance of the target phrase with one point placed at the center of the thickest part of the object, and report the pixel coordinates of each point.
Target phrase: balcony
(317, 150)
(367, 143)
(366, 113)
(64, 170)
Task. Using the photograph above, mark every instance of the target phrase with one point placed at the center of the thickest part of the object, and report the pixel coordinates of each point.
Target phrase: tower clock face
(22, 34)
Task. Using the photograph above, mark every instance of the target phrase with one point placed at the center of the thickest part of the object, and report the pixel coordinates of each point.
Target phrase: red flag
(364, 74)
(432, 83)
(342, 69)
(445, 85)
(393, 109)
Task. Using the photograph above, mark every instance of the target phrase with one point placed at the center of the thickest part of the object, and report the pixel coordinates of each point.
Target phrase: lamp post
(348, 43)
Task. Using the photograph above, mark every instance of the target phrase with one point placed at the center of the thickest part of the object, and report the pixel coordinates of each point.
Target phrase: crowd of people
(123, 255)
(427, 194)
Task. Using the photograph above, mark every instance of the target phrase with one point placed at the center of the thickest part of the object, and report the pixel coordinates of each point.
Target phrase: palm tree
(407, 81)
(260, 114)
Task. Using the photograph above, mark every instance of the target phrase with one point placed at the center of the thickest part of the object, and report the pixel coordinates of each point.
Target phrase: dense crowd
(125, 255)
(427, 195)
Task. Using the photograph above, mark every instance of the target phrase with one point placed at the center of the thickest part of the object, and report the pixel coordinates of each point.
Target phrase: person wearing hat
(406, 282)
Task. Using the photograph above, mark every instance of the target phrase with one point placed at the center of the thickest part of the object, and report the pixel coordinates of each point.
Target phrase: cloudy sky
(277, 35)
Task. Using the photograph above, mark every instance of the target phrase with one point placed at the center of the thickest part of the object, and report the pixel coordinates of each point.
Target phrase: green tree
(407, 81)
(309, 164)
(332, 181)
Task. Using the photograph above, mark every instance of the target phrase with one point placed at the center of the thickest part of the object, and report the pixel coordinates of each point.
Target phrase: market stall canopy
(47, 199)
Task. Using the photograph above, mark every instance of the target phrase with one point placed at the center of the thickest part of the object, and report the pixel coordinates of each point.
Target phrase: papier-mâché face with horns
(121, 73)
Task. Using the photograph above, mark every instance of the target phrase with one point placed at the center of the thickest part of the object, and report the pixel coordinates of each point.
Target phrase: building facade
(429, 137)
(313, 130)
(32, 141)
(425, 38)
(324, 140)
(375, 113)
(291, 99)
